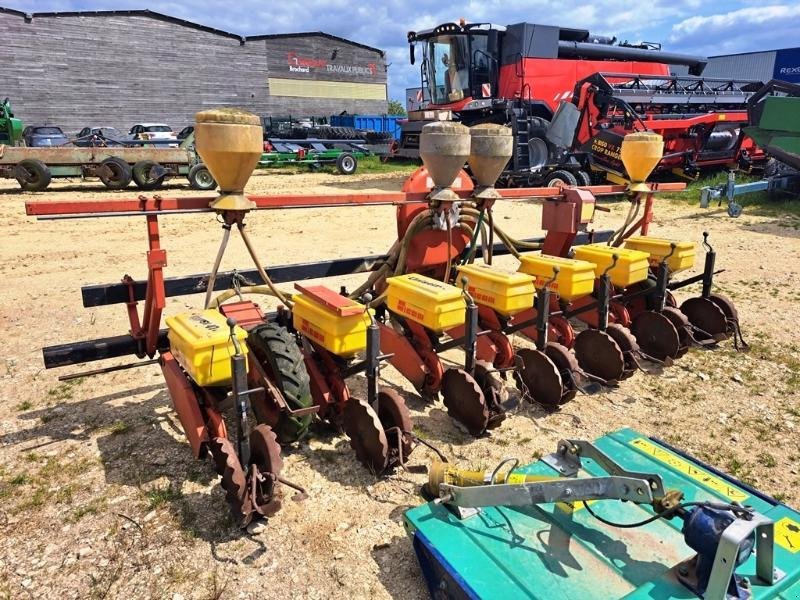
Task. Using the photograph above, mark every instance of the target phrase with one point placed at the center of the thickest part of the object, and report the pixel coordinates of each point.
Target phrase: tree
(396, 108)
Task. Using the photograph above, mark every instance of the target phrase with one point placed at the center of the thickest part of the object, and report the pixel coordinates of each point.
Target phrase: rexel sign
(787, 65)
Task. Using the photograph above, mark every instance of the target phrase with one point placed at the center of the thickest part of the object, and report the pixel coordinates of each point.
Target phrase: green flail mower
(626, 516)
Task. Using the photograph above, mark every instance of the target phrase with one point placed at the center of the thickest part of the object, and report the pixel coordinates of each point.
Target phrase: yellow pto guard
(631, 267)
(575, 277)
(680, 260)
(336, 323)
(201, 343)
(429, 302)
(503, 291)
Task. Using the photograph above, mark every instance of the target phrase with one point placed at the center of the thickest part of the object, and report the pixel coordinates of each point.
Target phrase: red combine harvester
(525, 75)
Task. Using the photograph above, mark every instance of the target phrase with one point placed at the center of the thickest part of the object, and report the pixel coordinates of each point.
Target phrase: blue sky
(691, 26)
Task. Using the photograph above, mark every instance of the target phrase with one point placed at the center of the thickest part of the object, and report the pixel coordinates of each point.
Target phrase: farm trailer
(115, 166)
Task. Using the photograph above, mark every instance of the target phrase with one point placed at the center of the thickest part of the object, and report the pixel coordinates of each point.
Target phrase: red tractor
(545, 83)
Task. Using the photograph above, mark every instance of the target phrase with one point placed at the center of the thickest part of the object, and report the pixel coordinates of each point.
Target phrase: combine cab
(699, 118)
(524, 76)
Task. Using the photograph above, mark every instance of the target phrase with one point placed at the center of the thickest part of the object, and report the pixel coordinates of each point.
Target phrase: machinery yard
(100, 498)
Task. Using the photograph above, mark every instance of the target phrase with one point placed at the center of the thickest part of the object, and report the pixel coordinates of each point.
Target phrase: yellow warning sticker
(709, 480)
(787, 534)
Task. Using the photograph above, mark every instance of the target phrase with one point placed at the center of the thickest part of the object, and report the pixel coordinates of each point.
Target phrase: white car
(153, 131)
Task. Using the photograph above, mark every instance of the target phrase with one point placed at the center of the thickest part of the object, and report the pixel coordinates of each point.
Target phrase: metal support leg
(241, 397)
(471, 337)
(373, 362)
(542, 316)
(708, 270)
(603, 302)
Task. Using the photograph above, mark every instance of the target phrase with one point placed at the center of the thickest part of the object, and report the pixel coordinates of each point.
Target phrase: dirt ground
(99, 494)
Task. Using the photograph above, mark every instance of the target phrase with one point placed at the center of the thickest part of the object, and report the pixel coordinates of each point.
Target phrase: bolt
(568, 492)
(683, 570)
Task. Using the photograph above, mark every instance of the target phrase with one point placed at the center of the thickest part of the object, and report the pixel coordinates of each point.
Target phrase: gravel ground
(99, 494)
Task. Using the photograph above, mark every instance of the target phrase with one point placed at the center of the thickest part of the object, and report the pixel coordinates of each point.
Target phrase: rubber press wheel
(276, 349)
(142, 177)
(118, 173)
(32, 175)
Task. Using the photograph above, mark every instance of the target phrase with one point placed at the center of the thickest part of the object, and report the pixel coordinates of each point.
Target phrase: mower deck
(562, 551)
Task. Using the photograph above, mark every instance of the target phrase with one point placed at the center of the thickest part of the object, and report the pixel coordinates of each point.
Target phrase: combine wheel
(234, 479)
(200, 178)
(465, 401)
(276, 349)
(265, 454)
(539, 377)
(119, 173)
(560, 178)
(656, 335)
(32, 175)
(395, 419)
(599, 355)
(366, 434)
(707, 317)
(142, 175)
(583, 178)
(346, 163)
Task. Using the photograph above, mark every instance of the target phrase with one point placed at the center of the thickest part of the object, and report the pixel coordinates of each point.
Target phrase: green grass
(160, 496)
(373, 164)
(24, 405)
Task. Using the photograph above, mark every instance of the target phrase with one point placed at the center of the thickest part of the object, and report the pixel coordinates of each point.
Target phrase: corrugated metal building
(117, 68)
(783, 64)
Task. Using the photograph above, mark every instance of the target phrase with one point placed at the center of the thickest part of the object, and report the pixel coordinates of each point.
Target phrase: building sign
(787, 65)
(301, 64)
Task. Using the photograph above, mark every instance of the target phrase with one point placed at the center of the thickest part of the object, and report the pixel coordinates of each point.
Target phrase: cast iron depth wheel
(32, 175)
(142, 175)
(118, 173)
(393, 413)
(539, 377)
(464, 400)
(567, 366)
(494, 392)
(599, 355)
(234, 479)
(627, 344)
(366, 434)
(706, 316)
(656, 335)
(265, 453)
(276, 349)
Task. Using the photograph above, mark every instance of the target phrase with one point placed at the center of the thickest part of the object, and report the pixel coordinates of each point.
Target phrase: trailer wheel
(120, 173)
(142, 175)
(346, 163)
(32, 175)
(560, 178)
(583, 178)
(200, 178)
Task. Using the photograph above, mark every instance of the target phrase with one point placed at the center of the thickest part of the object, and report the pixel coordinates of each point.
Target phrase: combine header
(244, 382)
(524, 76)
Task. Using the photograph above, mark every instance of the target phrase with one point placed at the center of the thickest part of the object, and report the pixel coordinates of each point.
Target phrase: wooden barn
(120, 67)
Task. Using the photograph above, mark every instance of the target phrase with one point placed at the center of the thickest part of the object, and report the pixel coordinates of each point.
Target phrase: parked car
(185, 132)
(152, 131)
(99, 136)
(40, 135)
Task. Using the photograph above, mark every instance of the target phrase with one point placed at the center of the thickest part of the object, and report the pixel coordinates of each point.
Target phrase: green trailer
(314, 153)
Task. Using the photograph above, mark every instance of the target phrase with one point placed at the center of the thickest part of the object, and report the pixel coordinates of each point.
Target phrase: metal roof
(162, 17)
